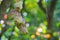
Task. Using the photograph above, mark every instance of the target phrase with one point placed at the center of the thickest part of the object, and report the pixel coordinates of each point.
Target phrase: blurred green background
(36, 14)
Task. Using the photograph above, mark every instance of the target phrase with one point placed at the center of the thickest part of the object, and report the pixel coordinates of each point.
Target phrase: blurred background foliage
(36, 21)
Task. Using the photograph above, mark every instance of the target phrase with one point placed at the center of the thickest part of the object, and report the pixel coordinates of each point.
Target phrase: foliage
(35, 22)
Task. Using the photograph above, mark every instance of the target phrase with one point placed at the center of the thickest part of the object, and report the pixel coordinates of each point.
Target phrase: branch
(40, 5)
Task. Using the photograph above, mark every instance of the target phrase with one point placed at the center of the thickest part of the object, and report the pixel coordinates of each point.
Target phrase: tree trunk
(50, 12)
(50, 24)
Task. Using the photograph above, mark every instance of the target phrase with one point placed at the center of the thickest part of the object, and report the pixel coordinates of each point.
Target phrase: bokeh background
(41, 20)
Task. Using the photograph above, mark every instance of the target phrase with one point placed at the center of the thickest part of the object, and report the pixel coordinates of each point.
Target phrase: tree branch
(40, 5)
